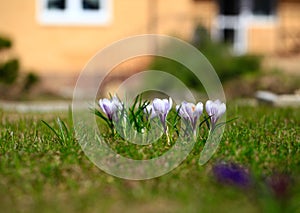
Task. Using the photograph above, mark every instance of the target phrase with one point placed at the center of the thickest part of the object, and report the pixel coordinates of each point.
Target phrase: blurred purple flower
(161, 108)
(215, 109)
(280, 185)
(190, 112)
(232, 174)
(111, 107)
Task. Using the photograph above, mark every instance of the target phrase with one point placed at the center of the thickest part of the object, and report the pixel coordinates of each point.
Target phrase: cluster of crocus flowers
(190, 113)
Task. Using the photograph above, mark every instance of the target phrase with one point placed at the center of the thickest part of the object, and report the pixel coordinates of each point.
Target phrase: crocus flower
(149, 110)
(161, 108)
(232, 174)
(111, 107)
(280, 185)
(190, 112)
(215, 109)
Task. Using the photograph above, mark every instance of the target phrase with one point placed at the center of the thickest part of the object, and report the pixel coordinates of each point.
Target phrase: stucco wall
(66, 49)
(262, 39)
(279, 36)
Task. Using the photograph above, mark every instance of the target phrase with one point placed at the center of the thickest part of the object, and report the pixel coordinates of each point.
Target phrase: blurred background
(44, 44)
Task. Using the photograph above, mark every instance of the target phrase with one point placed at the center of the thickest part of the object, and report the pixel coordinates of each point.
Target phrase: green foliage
(30, 80)
(136, 114)
(63, 133)
(9, 71)
(176, 69)
(39, 171)
(10, 74)
(5, 43)
(226, 64)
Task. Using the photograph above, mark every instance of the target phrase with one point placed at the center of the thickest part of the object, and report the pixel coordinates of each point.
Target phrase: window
(56, 4)
(236, 16)
(90, 4)
(228, 35)
(256, 7)
(265, 7)
(229, 7)
(74, 12)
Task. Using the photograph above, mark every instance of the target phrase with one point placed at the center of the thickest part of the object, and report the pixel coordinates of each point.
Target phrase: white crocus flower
(161, 108)
(111, 107)
(215, 109)
(190, 112)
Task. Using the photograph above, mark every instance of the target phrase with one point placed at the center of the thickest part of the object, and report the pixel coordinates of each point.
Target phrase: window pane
(56, 4)
(91, 4)
(265, 7)
(229, 7)
(228, 36)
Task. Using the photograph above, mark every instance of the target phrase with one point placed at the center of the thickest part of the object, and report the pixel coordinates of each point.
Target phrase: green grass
(40, 172)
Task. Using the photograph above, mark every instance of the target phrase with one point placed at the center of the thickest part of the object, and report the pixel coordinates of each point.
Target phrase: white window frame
(74, 14)
(264, 19)
(241, 23)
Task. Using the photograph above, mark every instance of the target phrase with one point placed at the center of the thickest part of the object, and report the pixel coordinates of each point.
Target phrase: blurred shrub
(9, 71)
(227, 65)
(176, 69)
(10, 79)
(4, 43)
(30, 80)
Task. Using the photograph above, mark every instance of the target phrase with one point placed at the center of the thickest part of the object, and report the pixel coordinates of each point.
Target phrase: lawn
(41, 173)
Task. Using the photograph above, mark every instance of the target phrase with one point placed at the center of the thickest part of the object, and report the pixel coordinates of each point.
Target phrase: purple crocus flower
(190, 112)
(232, 174)
(215, 109)
(161, 108)
(280, 184)
(110, 107)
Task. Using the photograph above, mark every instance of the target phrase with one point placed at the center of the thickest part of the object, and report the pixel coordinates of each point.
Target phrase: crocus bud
(215, 109)
(161, 108)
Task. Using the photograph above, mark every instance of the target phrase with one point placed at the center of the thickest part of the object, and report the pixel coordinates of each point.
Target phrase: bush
(227, 65)
(10, 79)
(176, 69)
(4, 43)
(9, 71)
(30, 80)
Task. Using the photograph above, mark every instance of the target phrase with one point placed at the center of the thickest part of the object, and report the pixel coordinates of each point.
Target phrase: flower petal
(222, 110)
(158, 105)
(170, 103)
(208, 107)
(199, 108)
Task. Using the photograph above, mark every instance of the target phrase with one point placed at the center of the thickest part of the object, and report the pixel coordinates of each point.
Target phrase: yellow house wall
(66, 49)
(262, 39)
(279, 36)
(289, 26)
(175, 18)
(204, 13)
